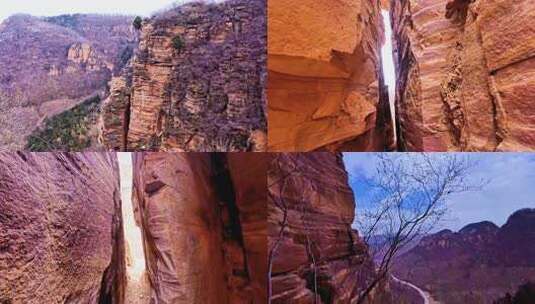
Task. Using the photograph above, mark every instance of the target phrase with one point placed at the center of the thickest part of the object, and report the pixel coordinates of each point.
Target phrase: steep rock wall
(203, 218)
(325, 87)
(61, 237)
(198, 79)
(465, 74)
(310, 212)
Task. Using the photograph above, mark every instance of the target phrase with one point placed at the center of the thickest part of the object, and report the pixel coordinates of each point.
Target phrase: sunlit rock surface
(61, 237)
(197, 81)
(325, 87)
(465, 74)
(203, 218)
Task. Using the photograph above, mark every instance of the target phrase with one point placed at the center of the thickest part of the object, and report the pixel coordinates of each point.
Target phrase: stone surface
(61, 237)
(465, 74)
(477, 264)
(203, 219)
(325, 87)
(205, 95)
(55, 62)
(310, 211)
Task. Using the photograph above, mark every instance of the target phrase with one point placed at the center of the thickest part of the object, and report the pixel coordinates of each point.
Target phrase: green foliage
(178, 43)
(66, 131)
(137, 23)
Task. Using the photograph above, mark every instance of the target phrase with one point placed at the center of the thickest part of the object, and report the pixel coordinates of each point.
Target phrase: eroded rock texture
(197, 82)
(465, 74)
(203, 219)
(61, 237)
(325, 86)
(312, 247)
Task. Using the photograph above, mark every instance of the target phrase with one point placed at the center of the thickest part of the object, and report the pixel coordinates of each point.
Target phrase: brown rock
(198, 81)
(325, 86)
(61, 234)
(203, 218)
(465, 83)
(310, 212)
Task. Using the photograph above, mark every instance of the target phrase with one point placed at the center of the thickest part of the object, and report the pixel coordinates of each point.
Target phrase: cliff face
(203, 219)
(325, 86)
(465, 74)
(197, 81)
(478, 264)
(60, 228)
(312, 247)
(51, 64)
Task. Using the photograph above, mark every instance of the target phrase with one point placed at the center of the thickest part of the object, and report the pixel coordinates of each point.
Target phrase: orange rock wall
(310, 212)
(465, 75)
(325, 88)
(203, 219)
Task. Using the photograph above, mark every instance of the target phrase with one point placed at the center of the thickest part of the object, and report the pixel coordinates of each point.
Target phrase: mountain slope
(478, 264)
(51, 64)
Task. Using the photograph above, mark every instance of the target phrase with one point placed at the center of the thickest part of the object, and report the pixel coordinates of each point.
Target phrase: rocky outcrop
(61, 237)
(313, 251)
(203, 219)
(325, 86)
(477, 264)
(465, 75)
(50, 65)
(198, 79)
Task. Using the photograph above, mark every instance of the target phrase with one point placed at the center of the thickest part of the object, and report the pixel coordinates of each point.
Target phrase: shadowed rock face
(478, 264)
(310, 212)
(196, 83)
(325, 86)
(464, 83)
(51, 64)
(61, 237)
(203, 219)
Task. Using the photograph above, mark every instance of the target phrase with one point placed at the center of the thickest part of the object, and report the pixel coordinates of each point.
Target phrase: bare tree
(277, 185)
(410, 195)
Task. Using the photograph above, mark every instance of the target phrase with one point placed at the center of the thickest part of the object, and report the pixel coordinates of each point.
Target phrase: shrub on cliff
(137, 23)
(178, 43)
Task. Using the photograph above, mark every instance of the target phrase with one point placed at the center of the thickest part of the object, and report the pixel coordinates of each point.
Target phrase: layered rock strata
(465, 75)
(325, 87)
(203, 220)
(61, 237)
(197, 82)
(314, 254)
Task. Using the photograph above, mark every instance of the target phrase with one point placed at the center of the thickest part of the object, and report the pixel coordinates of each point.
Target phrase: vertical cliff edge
(314, 254)
(465, 74)
(203, 220)
(195, 83)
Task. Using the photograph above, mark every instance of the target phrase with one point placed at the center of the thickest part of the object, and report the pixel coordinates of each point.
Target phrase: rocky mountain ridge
(478, 264)
(196, 82)
(52, 64)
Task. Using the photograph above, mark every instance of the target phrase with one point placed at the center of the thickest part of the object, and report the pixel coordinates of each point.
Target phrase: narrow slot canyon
(460, 79)
(135, 228)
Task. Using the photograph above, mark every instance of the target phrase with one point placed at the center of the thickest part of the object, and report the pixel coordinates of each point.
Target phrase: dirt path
(428, 299)
(137, 290)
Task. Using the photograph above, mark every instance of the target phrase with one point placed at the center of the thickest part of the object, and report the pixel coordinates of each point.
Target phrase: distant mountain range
(478, 264)
(51, 64)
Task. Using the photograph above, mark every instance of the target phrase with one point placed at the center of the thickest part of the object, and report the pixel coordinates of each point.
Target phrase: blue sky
(58, 7)
(511, 187)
